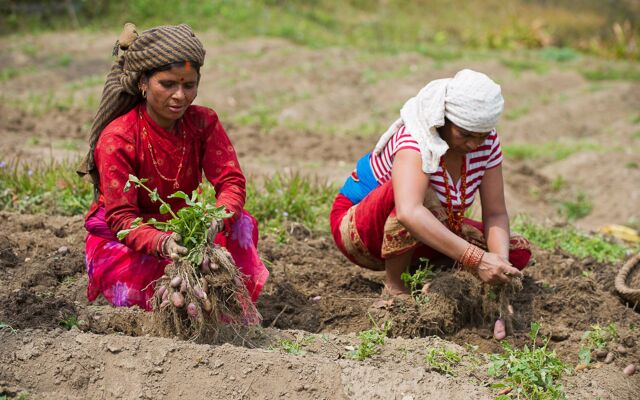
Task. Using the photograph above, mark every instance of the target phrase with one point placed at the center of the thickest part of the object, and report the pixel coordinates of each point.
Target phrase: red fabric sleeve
(115, 159)
(221, 167)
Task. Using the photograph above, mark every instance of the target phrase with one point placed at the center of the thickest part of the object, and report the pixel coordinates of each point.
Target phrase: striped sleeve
(404, 140)
(495, 155)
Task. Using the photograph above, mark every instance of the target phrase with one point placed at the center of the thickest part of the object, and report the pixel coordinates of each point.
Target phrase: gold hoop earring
(144, 93)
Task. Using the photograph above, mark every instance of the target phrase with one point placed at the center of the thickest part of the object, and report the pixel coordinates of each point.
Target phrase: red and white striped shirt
(488, 155)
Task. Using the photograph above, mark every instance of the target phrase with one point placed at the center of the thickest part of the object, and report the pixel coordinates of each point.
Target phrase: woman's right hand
(171, 247)
(495, 269)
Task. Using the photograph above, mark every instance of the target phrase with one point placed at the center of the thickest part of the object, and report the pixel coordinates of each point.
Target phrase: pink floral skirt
(126, 277)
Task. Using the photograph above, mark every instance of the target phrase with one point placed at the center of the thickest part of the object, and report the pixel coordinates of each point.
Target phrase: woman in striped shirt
(406, 199)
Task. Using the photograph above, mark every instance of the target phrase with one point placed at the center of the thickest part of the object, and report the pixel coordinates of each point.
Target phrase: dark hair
(148, 74)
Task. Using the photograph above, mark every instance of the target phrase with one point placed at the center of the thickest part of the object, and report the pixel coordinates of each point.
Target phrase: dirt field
(316, 112)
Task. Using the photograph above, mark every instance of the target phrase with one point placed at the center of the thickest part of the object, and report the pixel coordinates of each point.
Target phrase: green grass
(576, 209)
(291, 198)
(516, 113)
(558, 183)
(64, 60)
(569, 239)
(632, 165)
(443, 360)
(55, 189)
(38, 104)
(547, 151)
(559, 54)
(610, 73)
(521, 65)
(533, 372)
(52, 189)
(68, 144)
(436, 28)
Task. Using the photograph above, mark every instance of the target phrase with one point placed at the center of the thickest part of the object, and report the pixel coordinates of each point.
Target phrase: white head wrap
(471, 100)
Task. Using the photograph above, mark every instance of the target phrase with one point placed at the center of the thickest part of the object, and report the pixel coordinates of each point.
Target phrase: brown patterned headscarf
(153, 48)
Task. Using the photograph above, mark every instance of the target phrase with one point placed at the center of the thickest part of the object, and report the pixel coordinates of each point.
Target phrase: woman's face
(169, 93)
(460, 140)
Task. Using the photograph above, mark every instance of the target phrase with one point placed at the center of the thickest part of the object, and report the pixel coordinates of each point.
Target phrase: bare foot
(390, 291)
(499, 330)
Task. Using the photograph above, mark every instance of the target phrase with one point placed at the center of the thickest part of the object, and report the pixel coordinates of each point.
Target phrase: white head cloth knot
(471, 100)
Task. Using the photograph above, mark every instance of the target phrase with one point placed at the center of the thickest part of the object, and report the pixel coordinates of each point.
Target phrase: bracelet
(471, 257)
(161, 245)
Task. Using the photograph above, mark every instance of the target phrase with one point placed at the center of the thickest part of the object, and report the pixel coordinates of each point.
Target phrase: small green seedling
(443, 360)
(597, 338)
(191, 222)
(415, 282)
(370, 341)
(69, 322)
(531, 372)
(295, 346)
(8, 327)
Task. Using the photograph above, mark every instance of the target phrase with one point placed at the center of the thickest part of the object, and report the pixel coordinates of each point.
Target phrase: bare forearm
(496, 228)
(429, 230)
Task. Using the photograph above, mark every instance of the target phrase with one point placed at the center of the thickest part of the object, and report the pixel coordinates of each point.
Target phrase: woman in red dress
(147, 126)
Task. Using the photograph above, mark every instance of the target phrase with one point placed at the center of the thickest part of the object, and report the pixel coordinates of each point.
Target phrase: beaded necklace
(153, 157)
(455, 217)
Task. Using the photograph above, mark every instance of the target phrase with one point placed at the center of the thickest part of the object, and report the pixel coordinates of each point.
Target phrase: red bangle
(161, 242)
(471, 257)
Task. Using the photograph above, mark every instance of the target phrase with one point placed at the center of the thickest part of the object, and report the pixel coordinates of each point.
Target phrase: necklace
(153, 157)
(455, 217)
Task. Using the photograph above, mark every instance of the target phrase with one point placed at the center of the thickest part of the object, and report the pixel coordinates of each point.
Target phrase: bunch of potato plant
(531, 372)
(203, 288)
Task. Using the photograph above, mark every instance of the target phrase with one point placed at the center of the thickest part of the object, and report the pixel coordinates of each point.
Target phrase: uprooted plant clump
(192, 301)
(204, 288)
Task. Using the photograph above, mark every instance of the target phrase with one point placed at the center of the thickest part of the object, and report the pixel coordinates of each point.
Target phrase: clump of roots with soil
(204, 288)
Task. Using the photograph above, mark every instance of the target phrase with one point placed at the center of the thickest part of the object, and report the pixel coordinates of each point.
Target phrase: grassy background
(276, 202)
(608, 28)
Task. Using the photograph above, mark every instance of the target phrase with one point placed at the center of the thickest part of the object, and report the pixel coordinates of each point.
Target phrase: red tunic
(135, 144)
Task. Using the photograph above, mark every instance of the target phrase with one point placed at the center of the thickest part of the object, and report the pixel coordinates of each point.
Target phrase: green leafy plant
(576, 209)
(69, 322)
(414, 282)
(370, 341)
(295, 346)
(597, 338)
(443, 360)
(571, 240)
(532, 372)
(191, 222)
